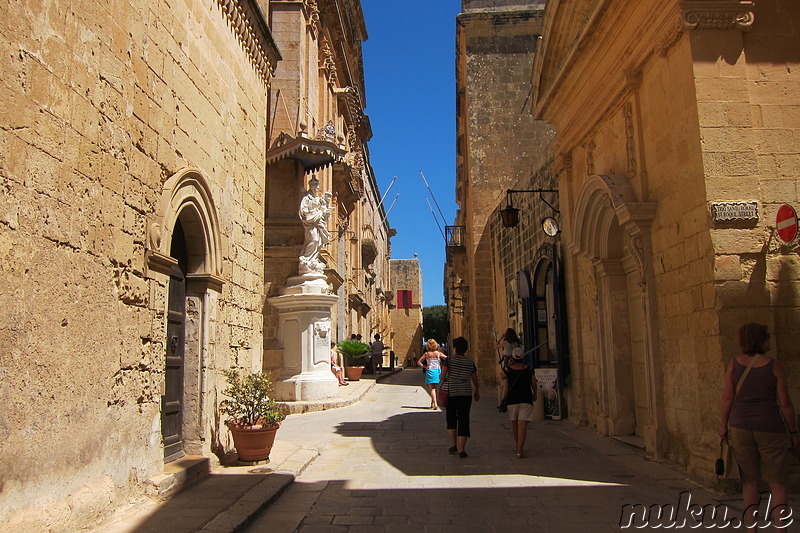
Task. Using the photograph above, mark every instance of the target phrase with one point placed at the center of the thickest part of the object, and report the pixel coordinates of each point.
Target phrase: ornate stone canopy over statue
(314, 213)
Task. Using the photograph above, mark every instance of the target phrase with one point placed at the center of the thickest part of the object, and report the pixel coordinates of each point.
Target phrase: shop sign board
(548, 388)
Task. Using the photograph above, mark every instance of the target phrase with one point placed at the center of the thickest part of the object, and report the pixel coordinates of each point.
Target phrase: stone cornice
(351, 99)
(249, 25)
(717, 14)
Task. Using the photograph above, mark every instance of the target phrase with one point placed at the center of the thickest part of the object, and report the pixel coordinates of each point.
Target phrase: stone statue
(314, 213)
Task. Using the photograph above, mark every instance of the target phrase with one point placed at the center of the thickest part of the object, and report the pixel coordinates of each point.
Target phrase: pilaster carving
(352, 138)
(313, 16)
(590, 158)
(328, 62)
(717, 14)
(358, 160)
(630, 141)
(636, 249)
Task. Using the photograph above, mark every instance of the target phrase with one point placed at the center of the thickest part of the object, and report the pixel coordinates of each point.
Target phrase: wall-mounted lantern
(509, 215)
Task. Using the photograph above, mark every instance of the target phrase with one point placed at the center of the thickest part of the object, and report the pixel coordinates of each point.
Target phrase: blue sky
(409, 64)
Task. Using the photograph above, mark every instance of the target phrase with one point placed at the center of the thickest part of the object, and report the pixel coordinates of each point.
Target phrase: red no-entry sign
(786, 223)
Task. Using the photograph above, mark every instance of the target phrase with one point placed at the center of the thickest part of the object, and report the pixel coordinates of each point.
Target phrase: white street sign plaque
(726, 211)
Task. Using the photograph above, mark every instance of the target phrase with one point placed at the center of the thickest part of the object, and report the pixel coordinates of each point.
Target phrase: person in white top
(507, 342)
(377, 348)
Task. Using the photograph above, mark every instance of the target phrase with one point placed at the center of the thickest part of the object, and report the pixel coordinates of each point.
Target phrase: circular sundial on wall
(550, 226)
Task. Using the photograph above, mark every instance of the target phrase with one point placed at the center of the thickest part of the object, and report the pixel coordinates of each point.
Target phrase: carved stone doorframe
(187, 200)
(609, 223)
(615, 347)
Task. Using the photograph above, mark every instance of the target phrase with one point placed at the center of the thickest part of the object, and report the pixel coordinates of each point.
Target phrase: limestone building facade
(320, 129)
(141, 229)
(659, 276)
(406, 310)
(133, 175)
(671, 156)
(498, 144)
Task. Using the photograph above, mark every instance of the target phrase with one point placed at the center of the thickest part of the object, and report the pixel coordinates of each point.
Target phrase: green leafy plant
(250, 403)
(353, 352)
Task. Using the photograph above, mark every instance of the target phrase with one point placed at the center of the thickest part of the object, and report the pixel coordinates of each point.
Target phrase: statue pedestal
(305, 333)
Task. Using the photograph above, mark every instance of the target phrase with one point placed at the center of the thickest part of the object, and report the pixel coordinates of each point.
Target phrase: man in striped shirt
(460, 377)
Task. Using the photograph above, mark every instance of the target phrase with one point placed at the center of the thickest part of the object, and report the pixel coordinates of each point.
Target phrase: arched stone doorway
(183, 257)
(611, 228)
(544, 313)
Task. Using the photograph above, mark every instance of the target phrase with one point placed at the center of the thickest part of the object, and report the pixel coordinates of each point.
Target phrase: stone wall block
(777, 191)
(775, 140)
(727, 268)
(112, 208)
(166, 153)
(788, 165)
(732, 293)
(785, 293)
(786, 321)
(783, 268)
(773, 92)
(776, 116)
(723, 164)
(736, 241)
(768, 165)
(726, 139)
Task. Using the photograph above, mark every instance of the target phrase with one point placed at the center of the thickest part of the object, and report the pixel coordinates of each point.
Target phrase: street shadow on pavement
(504, 507)
(568, 482)
(221, 502)
(550, 454)
(416, 443)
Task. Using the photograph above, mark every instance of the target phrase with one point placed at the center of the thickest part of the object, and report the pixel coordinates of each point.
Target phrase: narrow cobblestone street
(384, 466)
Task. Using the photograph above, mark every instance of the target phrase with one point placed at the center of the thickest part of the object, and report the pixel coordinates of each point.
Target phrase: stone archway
(187, 195)
(611, 228)
(186, 214)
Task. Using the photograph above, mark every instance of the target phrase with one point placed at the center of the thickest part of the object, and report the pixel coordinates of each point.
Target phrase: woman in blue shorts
(431, 361)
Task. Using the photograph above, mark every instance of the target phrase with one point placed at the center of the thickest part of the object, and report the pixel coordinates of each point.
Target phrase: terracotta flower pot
(353, 373)
(253, 443)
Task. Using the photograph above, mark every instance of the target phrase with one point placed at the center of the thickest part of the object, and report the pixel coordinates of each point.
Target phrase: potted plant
(354, 353)
(254, 416)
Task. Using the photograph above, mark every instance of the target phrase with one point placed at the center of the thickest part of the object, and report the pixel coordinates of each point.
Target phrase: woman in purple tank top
(760, 415)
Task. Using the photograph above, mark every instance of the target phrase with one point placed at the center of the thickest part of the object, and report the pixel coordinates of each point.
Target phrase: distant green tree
(435, 324)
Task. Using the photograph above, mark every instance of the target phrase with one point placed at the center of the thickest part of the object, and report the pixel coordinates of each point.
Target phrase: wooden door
(172, 401)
